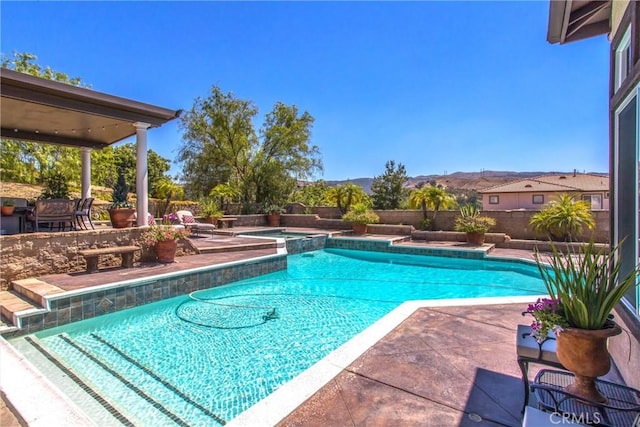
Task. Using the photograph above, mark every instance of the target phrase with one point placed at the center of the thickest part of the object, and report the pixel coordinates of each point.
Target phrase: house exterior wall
(617, 11)
(623, 137)
(510, 201)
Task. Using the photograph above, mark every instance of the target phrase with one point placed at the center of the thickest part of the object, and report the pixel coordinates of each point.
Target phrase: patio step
(236, 248)
(35, 290)
(12, 305)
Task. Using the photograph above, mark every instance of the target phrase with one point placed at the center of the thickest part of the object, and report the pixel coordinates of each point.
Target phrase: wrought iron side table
(622, 408)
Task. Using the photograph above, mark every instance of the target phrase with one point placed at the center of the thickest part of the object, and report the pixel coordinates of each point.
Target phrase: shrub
(120, 196)
(209, 209)
(360, 214)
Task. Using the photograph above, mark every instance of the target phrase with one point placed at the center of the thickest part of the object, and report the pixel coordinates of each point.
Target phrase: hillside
(461, 180)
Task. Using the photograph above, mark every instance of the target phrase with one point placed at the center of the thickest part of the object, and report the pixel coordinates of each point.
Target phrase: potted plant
(359, 216)
(164, 238)
(8, 206)
(474, 225)
(584, 287)
(273, 214)
(209, 211)
(121, 212)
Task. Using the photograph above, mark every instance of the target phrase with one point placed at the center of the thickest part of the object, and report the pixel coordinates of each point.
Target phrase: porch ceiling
(41, 110)
(571, 20)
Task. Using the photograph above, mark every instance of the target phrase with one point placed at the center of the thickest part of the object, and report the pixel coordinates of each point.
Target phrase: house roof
(554, 183)
(41, 110)
(571, 20)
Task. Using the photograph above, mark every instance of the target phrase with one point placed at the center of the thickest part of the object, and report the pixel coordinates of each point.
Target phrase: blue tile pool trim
(92, 303)
(364, 244)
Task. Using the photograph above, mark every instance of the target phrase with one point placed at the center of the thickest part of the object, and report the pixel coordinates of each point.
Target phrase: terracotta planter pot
(122, 217)
(584, 352)
(273, 220)
(359, 228)
(7, 210)
(166, 250)
(475, 238)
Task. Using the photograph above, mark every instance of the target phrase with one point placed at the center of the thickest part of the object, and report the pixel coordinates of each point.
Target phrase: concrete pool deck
(435, 366)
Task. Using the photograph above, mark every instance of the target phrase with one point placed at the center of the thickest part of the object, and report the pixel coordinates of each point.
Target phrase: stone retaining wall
(36, 254)
(313, 221)
(259, 220)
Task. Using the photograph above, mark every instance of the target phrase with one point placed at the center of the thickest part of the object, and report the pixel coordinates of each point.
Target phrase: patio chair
(52, 211)
(187, 219)
(83, 213)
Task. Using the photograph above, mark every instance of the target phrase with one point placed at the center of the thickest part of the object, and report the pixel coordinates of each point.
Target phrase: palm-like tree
(225, 193)
(431, 197)
(169, 190)
(563, 218)
(346, 195)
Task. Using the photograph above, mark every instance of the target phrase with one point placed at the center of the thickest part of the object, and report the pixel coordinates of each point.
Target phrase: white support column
(142, 184)
(85, 154)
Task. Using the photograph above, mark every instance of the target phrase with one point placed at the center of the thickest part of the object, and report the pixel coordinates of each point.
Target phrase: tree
(345, 195)
(218, 138)
(166, 189)
(431, 197)
(563, 218)
(285, 155)
(310, 195)
(388, 188)
(225, 193)
(220, 146)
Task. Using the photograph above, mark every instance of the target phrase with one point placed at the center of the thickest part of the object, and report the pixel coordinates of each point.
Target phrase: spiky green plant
(586, 283)
(470, 220)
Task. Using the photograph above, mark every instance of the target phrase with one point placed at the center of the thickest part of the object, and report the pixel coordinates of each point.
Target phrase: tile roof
(554, 182)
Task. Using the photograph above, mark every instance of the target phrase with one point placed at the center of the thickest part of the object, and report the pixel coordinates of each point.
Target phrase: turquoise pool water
(205, 359)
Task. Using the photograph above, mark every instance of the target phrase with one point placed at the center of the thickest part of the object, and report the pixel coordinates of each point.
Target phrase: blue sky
(437, 86)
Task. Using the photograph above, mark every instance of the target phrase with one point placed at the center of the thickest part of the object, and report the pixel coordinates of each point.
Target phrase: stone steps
(25, 297)
(14, 305)
(35, 290)
(235, 248)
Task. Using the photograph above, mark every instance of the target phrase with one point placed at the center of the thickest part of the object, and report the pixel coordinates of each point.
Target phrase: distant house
(534, 193)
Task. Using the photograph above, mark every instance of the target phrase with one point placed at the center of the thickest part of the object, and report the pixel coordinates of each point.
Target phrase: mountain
(462, 180)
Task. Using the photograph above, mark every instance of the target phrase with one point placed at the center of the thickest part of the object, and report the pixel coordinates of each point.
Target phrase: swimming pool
(204, 360)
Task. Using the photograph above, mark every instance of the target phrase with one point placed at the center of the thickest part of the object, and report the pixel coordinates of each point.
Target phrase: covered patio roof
(41, 110)
(571, 20)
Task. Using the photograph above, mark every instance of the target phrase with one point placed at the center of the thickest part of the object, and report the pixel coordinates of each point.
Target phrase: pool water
(203, 360)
